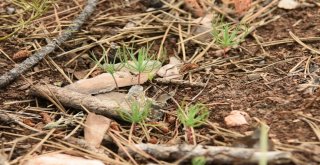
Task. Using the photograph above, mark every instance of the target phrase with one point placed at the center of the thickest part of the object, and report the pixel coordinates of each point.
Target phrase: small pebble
(10, 10)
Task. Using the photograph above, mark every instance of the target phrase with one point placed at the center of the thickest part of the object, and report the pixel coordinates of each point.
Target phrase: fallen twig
(213, 154)
(76, 100)
(9, 76)
(7, 118)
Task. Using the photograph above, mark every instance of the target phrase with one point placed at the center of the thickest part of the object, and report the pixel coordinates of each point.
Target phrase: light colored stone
(236, 118)
(288, 4)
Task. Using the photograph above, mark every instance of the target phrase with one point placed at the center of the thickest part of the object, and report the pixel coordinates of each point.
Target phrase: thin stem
(139, 76)
(131, 132)
(115, 81)
(193, 136)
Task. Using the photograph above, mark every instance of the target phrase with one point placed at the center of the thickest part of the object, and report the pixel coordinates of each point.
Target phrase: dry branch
(69, 98)
(213, 154)
(6, 78)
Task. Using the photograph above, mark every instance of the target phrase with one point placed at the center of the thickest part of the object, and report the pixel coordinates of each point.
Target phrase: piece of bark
(213, 154)
(9, 76)
(69, 98)
(105, 83)
(60, 159)
(95, 128)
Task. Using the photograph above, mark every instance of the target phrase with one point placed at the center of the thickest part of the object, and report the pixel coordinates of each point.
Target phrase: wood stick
(213, 154)
(11, 75)
(69, 98)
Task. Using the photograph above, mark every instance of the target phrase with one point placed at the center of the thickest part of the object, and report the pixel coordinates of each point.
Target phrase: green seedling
(142, 63)
(137, 115)
(199, 160)
(192, 116)
(108, 67)
(227, 36)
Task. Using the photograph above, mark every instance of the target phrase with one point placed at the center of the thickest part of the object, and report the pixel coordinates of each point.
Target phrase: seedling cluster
(227, 36)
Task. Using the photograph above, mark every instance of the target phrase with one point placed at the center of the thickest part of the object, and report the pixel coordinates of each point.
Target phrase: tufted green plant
(141, 63)
(198, 160)
(107, 66)
(194, 115)
(227, 36)
(138, 112)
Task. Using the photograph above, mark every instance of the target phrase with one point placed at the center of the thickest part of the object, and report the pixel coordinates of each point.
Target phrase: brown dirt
(268, 95)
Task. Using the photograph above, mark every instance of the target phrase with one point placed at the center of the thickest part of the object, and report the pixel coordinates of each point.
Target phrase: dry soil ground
(263, 79)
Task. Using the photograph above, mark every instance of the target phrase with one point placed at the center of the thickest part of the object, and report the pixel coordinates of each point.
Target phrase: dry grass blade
(297, 39)
(256, 77)
(284, 41)
(39, 144)
(314, 126)
(35, 58)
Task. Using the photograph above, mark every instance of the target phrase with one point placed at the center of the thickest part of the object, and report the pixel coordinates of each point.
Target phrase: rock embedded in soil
(237, 118)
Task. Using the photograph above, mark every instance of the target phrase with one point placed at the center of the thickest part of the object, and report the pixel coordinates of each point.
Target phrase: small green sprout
(139, 112)
(108, 67)
(194, 116)
(199, 160)
(226, 36)
(142, 63)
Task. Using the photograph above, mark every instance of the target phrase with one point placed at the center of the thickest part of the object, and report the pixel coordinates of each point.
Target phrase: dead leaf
(163, 98)
(170, 70)
(46, 119)
(187, 67)
(242, 5)
(60, 159)
(21, 55)
(96, 127)
(105, 83)
(28, 122)
(171, 119)
(195, 7)
(153, 140)
(236, 118)
(204, 27)
(164, 127)
(115, 126)
(288, 4)
(81, 74)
